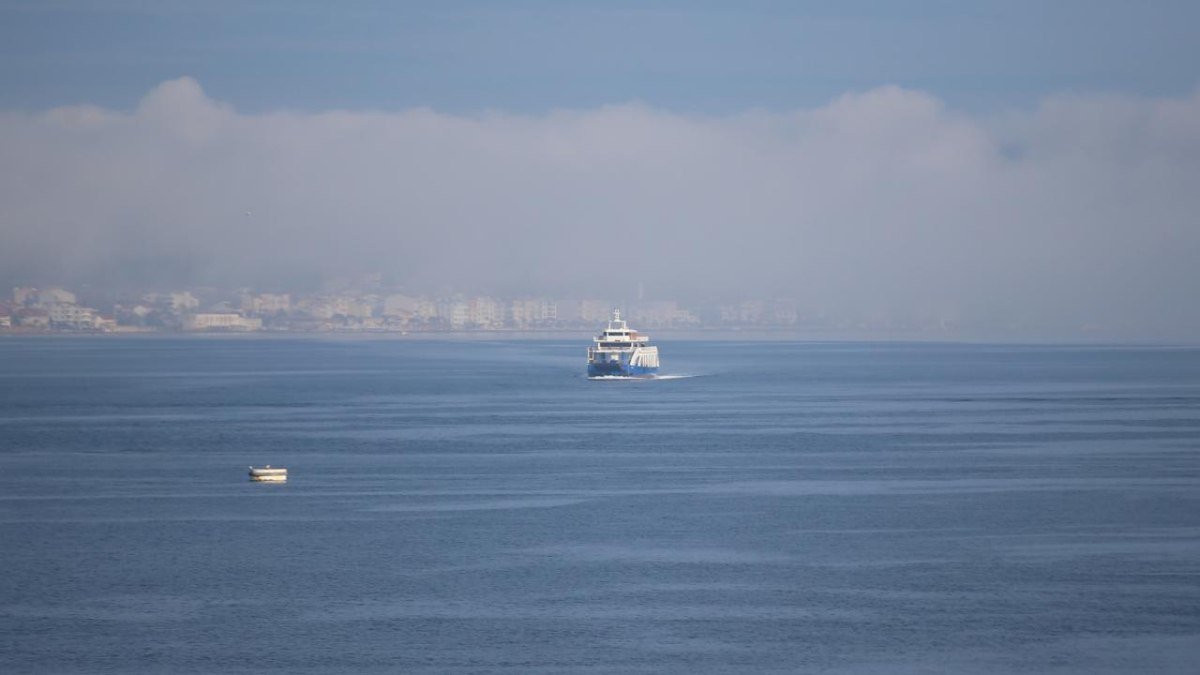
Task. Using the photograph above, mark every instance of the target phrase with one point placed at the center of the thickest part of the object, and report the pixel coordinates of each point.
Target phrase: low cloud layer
(1078, 218)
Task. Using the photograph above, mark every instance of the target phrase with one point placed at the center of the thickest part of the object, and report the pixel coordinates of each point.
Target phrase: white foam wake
(642, 378)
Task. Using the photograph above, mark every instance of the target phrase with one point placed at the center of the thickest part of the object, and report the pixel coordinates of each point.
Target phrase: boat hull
(268, 474)
(618, 369)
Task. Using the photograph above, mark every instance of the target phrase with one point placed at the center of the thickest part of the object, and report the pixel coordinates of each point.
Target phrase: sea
(480, 506)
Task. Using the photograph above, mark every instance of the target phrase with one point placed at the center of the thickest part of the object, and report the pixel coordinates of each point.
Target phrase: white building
(267, 303)
(352, 307)
(458, 314)
(663, 313)
(400, 306)
(183, 301)
(427, 310)
(64, 315)
(484, 313)
(317, 308)
(221, 321)
(533, 312)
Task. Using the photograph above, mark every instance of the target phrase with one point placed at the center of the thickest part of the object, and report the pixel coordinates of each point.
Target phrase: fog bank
(1078, 217)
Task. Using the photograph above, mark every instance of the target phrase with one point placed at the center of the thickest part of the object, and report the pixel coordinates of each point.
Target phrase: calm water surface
(480, 507)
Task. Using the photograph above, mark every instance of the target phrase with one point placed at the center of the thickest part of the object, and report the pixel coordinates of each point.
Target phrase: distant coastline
(582, 336)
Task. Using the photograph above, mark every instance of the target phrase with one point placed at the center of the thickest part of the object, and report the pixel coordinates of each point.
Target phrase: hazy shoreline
(583, 337)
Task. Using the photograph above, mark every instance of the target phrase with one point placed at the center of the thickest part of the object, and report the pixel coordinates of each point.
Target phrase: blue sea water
(482, 507)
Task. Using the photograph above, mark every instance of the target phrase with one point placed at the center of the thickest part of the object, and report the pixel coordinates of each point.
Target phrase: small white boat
(266, 473)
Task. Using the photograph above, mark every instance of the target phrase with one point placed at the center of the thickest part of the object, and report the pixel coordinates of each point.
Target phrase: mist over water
(1072, 220)
(469, 507)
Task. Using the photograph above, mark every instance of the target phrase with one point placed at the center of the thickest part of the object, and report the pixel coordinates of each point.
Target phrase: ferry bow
(622, 352)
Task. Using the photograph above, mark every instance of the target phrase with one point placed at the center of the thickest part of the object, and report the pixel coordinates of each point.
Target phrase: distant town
(34, 310)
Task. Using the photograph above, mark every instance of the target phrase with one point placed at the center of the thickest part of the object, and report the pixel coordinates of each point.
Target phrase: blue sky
(531, 56)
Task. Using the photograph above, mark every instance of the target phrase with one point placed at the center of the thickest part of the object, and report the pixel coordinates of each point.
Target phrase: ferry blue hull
(619, 370)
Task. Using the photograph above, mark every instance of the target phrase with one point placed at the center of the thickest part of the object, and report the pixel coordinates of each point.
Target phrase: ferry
(267, 474)
(621, 352)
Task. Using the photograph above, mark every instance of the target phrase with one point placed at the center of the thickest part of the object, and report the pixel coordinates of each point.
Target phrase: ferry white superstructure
(621, 351)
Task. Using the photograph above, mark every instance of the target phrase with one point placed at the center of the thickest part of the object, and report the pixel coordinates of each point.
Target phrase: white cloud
(881, 203)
